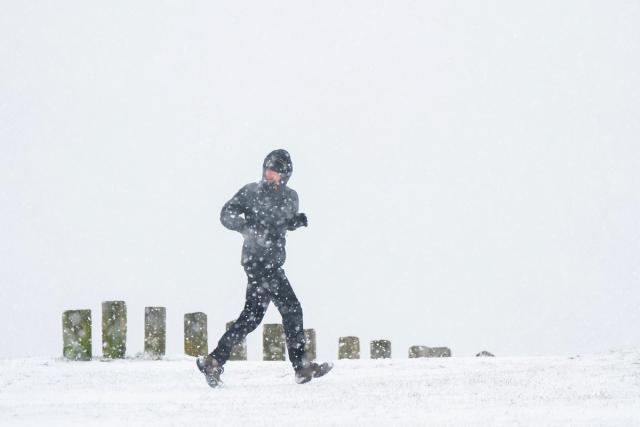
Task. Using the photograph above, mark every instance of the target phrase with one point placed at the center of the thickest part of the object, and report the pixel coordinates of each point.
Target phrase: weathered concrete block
(424, 351)
(419, 351)
(76, 334)
(349, 348)
(238, 351)
(273, 342)
(484, 353)
(380, 349)
(114, 329)
(155, 331)
(195, 334)
(310, 344)
(440, 352)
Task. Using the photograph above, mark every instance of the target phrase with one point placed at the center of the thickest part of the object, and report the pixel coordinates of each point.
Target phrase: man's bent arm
(231, 211)
(294, 221)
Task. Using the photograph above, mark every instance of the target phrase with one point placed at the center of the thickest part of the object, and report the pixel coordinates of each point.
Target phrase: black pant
(266, 284)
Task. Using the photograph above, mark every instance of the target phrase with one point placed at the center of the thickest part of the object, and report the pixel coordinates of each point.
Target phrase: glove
(257, 233)
(249, 230)
(298, 220)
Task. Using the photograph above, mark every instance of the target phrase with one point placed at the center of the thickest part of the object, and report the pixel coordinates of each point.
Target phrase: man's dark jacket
(269, 211)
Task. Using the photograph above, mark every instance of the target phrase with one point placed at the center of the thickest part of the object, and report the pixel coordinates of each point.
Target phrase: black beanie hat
(279, 161)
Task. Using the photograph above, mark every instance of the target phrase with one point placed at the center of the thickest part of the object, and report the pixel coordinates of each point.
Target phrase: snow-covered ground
(580, 390)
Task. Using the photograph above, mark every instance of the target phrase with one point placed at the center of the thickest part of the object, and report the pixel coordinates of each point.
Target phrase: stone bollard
(424, 351)
(273, 342)
(155, 331)
(238, 351)
(310, 344)
(195, 334)
(419, 351)
(380, 349)
(114, 329)
(349, 348)
(440, 352)
(76, 334)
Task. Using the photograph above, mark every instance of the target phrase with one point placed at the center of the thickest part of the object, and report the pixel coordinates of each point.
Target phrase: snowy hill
(581, 390)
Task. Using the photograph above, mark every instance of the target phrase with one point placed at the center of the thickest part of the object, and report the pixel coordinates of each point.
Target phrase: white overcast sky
(469, 169)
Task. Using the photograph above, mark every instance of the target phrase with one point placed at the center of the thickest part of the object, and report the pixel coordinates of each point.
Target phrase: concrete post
(155, 331)
(349, 348)
(195, 334)
(310, 344)
(76, 334)
(273, 342)
(114, 329)
(380, 349)
(440, 352)
(238, 351)
(419, 351)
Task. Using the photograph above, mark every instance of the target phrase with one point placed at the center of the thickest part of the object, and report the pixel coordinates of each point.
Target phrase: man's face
(272, 176)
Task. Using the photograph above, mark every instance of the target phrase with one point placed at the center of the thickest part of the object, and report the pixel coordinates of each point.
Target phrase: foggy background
(469, 170)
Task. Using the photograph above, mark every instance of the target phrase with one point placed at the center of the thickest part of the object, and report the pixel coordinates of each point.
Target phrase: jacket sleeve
(231, 211)
(292, 223)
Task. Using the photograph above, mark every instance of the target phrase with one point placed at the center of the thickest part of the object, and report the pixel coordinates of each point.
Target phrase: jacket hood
(279, 161)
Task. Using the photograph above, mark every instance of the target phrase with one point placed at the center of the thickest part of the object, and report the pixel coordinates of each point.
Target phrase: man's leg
(256, 303)
(289, 307)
